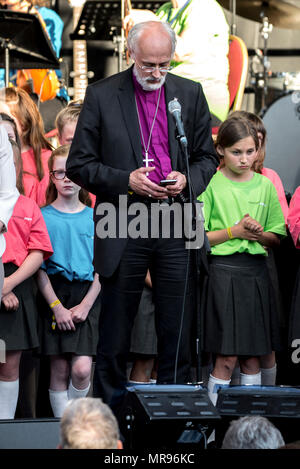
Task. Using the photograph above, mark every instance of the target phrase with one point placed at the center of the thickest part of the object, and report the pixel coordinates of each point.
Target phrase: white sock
(268, 376)
(212, 387)
(251, 379)
(235, 377)
(74, 393)
(58, 401)
(9, 392)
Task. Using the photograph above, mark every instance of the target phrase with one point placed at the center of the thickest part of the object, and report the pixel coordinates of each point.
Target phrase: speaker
(167, 416)
(29, 433)
(280, 404)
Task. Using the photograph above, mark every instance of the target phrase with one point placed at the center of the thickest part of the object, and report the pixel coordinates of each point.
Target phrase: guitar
(80, 73)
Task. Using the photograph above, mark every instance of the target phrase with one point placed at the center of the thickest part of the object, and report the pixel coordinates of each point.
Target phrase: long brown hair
(51, 192)
(25, 110)
(234, 129)
(260, 128)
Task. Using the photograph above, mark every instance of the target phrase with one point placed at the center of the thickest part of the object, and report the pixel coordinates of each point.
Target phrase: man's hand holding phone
(167, 182)
(142, 185)
(176, 183)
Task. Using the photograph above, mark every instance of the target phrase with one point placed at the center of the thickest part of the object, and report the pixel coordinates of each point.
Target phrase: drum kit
(277, 94)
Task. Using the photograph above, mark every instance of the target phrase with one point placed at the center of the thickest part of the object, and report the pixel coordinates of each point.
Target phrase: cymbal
(279, 13)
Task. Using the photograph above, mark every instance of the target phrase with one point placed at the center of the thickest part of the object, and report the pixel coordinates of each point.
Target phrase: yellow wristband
(56, 302)
(229, 232)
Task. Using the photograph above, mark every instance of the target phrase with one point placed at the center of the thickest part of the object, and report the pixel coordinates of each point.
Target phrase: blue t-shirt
(72, 239)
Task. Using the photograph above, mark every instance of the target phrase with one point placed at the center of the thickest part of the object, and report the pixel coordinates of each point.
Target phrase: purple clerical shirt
(159, 144)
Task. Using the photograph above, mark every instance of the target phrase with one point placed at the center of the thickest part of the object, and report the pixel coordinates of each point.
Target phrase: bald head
(153, 36)
(151, 45)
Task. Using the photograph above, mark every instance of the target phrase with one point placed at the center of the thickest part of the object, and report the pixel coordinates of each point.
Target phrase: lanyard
(146, 149)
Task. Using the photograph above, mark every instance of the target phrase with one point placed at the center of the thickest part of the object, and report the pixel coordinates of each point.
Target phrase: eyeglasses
(58, 174)
(148, 69)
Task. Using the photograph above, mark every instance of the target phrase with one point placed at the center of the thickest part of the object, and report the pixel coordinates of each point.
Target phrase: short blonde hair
(70, 113)
(88, 423)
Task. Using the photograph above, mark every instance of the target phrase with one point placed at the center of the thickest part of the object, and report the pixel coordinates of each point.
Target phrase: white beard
(146, 83)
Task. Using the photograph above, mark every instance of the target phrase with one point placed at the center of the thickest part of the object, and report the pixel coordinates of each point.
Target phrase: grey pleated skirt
(19, 328)
(239, 311)
(82, 341)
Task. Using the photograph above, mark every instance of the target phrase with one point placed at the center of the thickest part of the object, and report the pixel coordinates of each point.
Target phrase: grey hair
(88, 423)
(137, 29)
(252, 432)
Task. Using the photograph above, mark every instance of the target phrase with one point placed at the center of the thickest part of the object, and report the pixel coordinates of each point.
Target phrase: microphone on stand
(175, 109)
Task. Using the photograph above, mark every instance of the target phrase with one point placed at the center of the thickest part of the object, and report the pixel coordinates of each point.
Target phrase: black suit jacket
(107, 147)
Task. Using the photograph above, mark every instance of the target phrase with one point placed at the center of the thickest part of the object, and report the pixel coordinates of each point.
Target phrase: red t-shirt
(26, 231)
(35, 189)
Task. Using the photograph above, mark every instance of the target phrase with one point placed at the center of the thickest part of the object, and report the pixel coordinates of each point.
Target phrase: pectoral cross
(146, 160)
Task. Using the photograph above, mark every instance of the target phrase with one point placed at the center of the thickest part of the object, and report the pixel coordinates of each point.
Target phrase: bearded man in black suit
(124, 145)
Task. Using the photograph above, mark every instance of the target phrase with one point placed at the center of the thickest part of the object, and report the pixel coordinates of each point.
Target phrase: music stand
(24, 43)
(101, 19)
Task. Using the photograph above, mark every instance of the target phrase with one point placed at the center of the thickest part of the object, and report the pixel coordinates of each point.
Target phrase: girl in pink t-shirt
(27, 245)
(294, 217)
(294, 228)
(35, 148)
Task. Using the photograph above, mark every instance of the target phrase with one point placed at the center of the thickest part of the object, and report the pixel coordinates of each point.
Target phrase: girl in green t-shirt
(242, 217)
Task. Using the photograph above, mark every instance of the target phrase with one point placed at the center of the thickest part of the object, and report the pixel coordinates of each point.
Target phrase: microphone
(175, 109)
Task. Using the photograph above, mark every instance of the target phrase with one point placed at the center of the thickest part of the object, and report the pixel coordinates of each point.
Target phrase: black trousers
(167, 260)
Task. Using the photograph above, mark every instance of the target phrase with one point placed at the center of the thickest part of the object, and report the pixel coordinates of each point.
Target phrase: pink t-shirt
(294, 217)
(26, 231)
(35, 189)
(275, 179)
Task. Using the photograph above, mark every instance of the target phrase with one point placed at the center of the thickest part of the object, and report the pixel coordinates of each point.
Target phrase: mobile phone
(167, 182)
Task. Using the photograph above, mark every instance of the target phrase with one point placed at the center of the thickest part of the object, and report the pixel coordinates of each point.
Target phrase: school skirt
(143, 335)
(294, 329)
(19, 329)
(239, 314)
(82, 341)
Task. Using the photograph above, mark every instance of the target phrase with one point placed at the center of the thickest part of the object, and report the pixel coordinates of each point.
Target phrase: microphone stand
(184, 149)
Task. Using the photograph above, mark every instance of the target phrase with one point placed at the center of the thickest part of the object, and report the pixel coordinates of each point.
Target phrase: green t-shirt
(226, 202)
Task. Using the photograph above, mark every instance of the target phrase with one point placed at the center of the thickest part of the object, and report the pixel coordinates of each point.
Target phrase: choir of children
(49, 244)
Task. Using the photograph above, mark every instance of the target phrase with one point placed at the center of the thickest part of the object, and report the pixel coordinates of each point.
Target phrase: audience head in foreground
(88, 423)
(252, 432)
